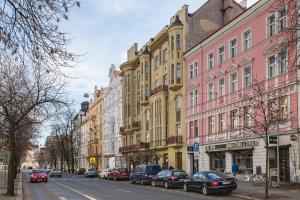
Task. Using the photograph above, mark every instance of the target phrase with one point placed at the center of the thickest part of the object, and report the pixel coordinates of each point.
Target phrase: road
(71, 187)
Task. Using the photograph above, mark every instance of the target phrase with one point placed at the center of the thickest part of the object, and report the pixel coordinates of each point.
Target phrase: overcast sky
(103, 30)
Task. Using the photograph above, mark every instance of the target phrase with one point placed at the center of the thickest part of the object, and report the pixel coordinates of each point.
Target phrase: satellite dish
(86, 95)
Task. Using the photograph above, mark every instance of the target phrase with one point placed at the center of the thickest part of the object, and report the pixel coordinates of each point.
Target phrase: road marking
(86, 196)
(62, 198)
(123, 190)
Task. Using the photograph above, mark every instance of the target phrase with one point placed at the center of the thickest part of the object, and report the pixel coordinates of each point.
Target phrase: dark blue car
(169, 178)
(143, 174)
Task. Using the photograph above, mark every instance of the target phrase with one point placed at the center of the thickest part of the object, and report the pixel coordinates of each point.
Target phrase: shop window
(217, 161)
(244, 160)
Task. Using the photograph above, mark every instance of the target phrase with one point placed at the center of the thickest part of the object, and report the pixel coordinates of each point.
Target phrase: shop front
(244, 159)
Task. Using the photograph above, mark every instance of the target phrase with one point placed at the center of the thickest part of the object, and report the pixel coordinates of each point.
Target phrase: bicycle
(258, 180)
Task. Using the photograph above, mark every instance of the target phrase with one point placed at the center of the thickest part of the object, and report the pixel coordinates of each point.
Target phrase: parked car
(92, 172)
(80, 171)
(169, 178)
(103, 173)
(210, 182)
(143, 174)
(38, 175)
(118, 174)
(48, 170)
(56, 172)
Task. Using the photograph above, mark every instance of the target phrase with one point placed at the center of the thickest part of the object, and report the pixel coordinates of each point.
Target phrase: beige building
(95, 120)
(154, 90)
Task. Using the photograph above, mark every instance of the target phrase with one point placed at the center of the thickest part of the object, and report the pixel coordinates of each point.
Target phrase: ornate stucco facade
(112, 120)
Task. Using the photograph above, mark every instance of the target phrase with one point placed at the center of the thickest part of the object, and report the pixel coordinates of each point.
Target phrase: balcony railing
(134, 147)
(136, 125)
(158, 89)
(175, 140)
(176, 83)
(158, 143)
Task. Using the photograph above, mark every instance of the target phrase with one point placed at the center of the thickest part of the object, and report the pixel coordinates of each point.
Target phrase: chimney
(244, 4)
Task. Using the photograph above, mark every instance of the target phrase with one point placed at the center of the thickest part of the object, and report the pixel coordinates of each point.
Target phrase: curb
(20, 188)
(244, 197)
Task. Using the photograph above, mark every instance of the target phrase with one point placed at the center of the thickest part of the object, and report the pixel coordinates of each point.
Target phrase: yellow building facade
(154, 128)
(95, 122)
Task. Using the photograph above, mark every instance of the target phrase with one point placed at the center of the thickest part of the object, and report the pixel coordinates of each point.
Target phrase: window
(210, 61)
(233, 48)
(283, 107)
(234, 82)
(210, 91)
(247, 77)
(247, 36)
(196, 128)
(165, 55)
(271, 66)
(177, 41)
(271, 25)
(282, 19)
(247, 116)
(196, 97)
(157, 61)
(221, 122)
(178, 74)
(193, 98)
(272, 109)
(146, 68)
(282, 61)
(172, 43)
(221, 87)
(195, 69)
(191, 128)
(221, 54)
(191, 74)
(178, 108)
(210, 124)
(234, 119)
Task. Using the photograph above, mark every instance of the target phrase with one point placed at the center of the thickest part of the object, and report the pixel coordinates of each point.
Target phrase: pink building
(220, 74)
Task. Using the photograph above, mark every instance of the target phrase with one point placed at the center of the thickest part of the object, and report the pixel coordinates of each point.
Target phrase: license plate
(226, 182)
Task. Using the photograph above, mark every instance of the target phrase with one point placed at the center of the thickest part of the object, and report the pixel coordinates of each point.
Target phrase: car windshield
(214, 175)
(38, 171)
(92, 170)
(153, 169)
(179, 173)
(122, 170)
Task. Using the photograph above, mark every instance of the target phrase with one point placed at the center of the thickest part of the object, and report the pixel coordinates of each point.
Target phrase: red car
(118, 173)
(38, 175)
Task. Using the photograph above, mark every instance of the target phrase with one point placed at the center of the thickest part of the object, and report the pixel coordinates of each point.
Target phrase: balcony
(144, 101)
(134, 147)
(175, 141)
(157, 144)
(122, 131)
(158, 89)
(176, 84)
(136, 125)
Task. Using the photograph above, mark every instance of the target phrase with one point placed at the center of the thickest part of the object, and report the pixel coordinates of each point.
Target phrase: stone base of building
(250, 156)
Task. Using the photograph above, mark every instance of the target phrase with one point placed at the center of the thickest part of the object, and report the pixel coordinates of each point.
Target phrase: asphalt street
(71, 187)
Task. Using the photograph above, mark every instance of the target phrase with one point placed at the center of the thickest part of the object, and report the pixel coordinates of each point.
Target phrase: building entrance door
(178, 160)
(284, 160)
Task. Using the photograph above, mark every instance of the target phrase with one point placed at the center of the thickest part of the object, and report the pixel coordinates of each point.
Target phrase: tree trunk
(267, 170)
(11, 169)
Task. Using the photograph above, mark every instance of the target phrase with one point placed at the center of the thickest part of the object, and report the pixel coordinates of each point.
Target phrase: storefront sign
(244, 144)
(272, 139)
(216, 147)
(190, 149)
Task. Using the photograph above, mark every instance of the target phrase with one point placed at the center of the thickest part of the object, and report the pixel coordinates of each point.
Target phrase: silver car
(92, 172)
(103, 173)
(56, 172)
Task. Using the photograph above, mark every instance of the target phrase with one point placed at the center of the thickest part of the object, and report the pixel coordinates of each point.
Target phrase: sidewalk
(3, 184)
(248, 191)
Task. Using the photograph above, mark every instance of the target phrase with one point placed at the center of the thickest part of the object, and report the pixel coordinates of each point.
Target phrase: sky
(103, 30)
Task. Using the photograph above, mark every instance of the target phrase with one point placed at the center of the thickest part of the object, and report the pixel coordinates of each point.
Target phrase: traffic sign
(92, 160)
(196, 147)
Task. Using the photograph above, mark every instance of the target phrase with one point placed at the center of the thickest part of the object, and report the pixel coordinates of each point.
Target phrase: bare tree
(28, 97)
(29, 31)
(262, 117)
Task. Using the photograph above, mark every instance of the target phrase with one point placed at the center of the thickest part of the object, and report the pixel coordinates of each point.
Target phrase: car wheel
(166, 185)
(204, 190)
(142, 182)
(185, 188)
(153, 184)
